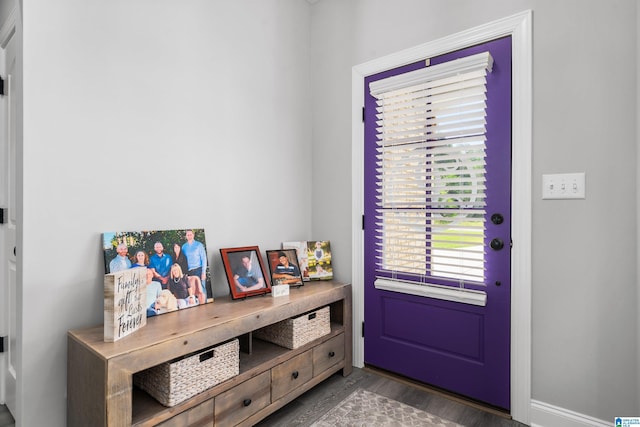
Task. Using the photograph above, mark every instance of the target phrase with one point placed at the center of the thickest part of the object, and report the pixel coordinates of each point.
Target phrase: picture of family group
(178, 274)
(245, 271)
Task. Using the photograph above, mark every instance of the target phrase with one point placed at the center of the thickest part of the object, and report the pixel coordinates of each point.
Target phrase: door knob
(497, 218)
(497, 244)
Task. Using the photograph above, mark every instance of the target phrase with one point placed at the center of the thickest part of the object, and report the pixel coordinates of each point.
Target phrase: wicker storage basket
(176, 381)
(297, 331)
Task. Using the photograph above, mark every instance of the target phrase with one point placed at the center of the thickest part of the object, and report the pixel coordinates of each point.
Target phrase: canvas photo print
(178, 274)
(303, 256)
(314, 258)
(319, 260)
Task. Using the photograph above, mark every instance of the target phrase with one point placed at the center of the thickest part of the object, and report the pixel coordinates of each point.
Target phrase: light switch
(563, 186)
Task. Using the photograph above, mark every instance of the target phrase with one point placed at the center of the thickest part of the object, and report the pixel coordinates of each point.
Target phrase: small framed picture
(245, 272)
(284, 268)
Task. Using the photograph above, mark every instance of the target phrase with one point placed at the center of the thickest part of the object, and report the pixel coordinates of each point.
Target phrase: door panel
(460, 347)
(462, 337)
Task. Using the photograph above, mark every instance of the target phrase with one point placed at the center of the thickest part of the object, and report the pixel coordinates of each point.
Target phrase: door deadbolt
(497, 244)
(497, 218)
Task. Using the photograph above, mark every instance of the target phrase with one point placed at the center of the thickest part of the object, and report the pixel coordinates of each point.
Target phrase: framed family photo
(178, 274)
(284, 267)
(245, 271)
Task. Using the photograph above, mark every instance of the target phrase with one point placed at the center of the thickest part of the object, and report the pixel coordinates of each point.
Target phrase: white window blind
(431, 171)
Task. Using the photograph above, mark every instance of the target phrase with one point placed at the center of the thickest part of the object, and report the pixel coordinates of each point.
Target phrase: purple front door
(452, 345)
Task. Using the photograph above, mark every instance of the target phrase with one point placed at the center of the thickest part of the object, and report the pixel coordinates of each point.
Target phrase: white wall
(585, 283)
(153, 114)
(6, 6)
(638, 186)
(585, 323)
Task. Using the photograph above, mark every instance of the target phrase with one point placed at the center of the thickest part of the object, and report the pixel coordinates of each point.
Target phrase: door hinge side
(362, 114)
(2, 346)
(2, 215)
(363, 222)
(1, 86)
(363, 329)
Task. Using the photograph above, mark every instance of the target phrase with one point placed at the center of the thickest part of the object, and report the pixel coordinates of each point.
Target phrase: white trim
(447, 293)
(545, 415)
(519, 27)
(7, 31)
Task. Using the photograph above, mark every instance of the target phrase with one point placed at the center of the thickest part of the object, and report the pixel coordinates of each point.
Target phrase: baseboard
(545, 415)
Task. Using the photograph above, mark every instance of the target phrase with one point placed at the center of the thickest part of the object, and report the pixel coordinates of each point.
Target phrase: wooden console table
(100, 391)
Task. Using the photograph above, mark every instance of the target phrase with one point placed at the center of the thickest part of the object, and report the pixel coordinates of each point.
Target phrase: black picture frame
(245, 272)
(289, 273)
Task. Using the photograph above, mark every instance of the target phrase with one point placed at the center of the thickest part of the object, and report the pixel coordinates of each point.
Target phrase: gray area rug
(364, 408)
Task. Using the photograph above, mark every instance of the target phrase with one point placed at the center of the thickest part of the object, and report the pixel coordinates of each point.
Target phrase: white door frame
(7, 32)
(519, 27)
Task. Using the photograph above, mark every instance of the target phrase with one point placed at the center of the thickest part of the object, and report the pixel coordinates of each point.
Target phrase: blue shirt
(119, 263)
(249, 277)
(162, 264)
(196, 255)
(291, 270)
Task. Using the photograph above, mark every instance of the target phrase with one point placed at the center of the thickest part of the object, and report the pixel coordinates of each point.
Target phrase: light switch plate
(564, 186)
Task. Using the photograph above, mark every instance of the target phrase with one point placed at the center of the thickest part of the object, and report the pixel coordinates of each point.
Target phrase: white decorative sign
(279, 290)
(124, 303)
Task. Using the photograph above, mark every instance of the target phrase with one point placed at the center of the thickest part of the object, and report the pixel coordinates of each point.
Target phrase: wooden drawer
(201, 415)
(244, 400)
(291, 374)
(328, 354)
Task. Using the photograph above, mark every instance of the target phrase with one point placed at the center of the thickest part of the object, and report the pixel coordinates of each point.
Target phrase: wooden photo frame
(284, 268)
(245, 271)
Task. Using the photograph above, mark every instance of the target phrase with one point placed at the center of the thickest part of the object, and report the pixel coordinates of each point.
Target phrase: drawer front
(244, 400)
(291, 374)
(328, 354)
(201, 415)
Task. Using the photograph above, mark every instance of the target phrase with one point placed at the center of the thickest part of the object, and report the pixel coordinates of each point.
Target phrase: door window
(430, 175)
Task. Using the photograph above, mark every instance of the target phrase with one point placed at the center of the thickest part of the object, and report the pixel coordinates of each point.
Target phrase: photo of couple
(178, 273)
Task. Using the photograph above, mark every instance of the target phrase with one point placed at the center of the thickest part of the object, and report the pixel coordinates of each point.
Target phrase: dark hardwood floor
(316, 402)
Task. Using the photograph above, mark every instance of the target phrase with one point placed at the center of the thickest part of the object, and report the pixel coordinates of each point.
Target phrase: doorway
(437, 270)
(519, 27)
